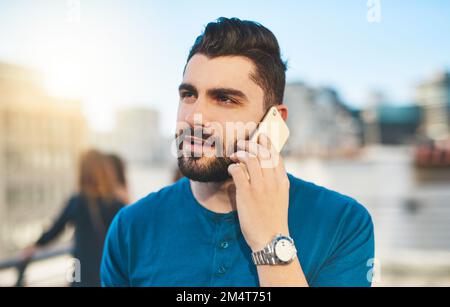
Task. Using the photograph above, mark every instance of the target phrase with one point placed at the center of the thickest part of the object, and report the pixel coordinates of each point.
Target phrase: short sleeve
(351, 259)
(113, 271)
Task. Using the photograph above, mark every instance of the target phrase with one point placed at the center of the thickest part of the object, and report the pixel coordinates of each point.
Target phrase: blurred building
(320, 123)
(135, 136)
(40, 140)
(433, 95)
(391, 124)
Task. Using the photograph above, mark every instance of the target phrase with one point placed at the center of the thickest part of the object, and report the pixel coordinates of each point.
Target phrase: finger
(273, 163)
(239, 175)
(266, 142)
(264, 157)
(251, 162)
(254, 148)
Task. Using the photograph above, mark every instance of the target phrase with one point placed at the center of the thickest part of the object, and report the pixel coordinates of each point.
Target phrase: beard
(205, 169)
(211, 168)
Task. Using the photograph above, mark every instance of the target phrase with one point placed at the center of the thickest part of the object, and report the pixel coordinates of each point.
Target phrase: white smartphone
(274, 127)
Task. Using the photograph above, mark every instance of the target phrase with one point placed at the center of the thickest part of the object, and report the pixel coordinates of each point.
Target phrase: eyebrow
(225, 91)
(187, 87)
(214, 92)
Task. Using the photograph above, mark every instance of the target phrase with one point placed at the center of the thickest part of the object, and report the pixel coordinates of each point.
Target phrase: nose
(196, 114)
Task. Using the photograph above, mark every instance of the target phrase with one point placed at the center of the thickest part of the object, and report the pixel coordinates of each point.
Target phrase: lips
(195, 141)
(195, 144)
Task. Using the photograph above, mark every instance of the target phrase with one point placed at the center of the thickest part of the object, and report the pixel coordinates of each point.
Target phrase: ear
(283, 111)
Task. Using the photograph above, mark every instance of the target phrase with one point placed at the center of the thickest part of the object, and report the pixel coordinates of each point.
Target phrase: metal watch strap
(264, 256)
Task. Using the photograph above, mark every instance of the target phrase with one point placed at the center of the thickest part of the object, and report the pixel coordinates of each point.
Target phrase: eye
(225, 99)
(187, 96)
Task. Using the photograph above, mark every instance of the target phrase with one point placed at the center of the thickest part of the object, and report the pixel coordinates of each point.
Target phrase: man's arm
(351, 260)
(290, 275)
(262, 201)
(113, 272)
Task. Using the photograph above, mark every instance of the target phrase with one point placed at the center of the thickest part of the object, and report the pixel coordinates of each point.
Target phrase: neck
(219, 197)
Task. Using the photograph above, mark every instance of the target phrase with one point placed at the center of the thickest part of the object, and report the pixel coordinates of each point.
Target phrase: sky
(113, 54)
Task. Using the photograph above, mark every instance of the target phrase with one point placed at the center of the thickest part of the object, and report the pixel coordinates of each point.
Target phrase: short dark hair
(232, 36)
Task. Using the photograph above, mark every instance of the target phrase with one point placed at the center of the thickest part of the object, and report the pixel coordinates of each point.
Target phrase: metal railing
(20, 266)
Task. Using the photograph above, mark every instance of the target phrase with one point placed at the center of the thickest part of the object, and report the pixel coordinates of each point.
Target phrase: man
(232, 221)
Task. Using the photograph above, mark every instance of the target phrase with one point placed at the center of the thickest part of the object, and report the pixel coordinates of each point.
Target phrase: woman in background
(91, 211)
(119, 167)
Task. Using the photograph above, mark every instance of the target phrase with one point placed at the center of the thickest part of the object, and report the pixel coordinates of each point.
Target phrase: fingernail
(231, 166)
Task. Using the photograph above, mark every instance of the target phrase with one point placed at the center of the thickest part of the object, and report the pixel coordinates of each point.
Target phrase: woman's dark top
(91, 225)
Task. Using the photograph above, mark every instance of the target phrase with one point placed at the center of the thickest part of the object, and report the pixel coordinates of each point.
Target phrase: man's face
(215, 95)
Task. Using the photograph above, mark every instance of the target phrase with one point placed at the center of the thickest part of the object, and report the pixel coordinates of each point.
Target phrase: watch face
(284, 249)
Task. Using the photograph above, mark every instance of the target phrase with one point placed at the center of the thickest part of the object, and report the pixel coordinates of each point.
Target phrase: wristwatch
(281, 250)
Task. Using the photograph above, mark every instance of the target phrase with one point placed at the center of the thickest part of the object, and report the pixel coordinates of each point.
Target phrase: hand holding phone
(274, 127)
(262, 184)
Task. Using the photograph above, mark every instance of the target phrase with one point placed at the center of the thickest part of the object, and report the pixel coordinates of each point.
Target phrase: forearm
(58, 226)
(290, 275)
(51, 234)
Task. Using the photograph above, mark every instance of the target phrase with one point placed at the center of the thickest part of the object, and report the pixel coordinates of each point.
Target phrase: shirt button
(224, 244)
(222, 269)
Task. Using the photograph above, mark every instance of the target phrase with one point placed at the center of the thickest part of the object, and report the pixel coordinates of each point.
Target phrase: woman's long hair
(119, 167)
(120, 170)
(97, 177)
(97, 181)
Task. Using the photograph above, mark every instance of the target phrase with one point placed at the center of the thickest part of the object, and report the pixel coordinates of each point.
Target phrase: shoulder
(75, 201)
(339, 223)
(155, 203)
(323, 202)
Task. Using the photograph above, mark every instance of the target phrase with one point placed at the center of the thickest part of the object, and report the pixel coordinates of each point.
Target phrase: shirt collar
(199, 208)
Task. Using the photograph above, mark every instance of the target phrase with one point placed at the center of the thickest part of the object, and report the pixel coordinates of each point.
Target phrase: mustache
(199, 133)
(188, 133)
(216, 140)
